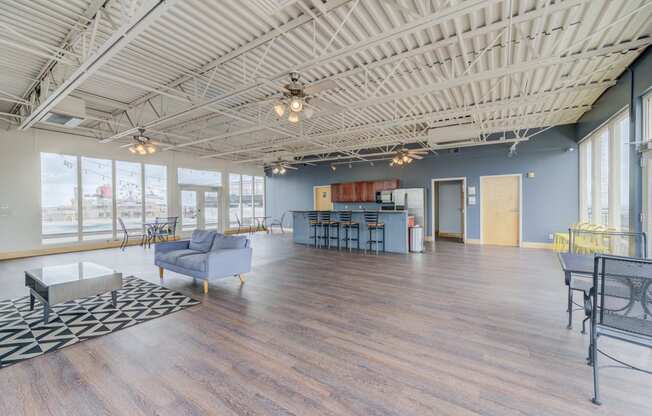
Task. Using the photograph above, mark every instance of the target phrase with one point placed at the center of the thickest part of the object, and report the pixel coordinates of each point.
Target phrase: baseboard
(449, 235)
(65, 249)
(531, 244)
(428, 238)
(473, 241)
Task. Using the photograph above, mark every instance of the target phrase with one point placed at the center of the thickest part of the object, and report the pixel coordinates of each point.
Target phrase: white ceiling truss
(202, 77)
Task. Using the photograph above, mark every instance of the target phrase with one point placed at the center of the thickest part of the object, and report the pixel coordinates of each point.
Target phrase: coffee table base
(46, 306)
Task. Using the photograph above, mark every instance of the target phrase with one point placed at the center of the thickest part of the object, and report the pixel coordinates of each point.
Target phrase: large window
(129, 194)
(97, 198)
(156, 192)
(259, 196)
(604, 174)
(234, 199)
(187, 176)
(246, 199)
(59, 208)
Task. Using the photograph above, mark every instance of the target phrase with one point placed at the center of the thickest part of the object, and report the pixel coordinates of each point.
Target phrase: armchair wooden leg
(205, 286)
(160, 272)
(242, 278)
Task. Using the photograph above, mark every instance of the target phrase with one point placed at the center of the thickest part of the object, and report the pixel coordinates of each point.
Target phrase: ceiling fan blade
(418, 151)
(290, 167)
(319, 86)
(414, 156)
(326, 105)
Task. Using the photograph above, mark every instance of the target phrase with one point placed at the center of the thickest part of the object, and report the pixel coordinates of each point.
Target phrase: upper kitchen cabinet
(362, 191)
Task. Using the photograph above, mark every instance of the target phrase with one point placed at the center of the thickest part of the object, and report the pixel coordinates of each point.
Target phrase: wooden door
(500, 210)
(323, 198)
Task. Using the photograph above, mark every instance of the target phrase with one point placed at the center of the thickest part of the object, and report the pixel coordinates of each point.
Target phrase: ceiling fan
(299, 98)
(406, 156)
(141, 144)
(280, 167)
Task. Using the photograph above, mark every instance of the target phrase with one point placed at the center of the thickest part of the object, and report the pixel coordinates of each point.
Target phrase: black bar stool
(334, 231)
(313, 224)
(324, 223)
(371, 218)
(346, 222)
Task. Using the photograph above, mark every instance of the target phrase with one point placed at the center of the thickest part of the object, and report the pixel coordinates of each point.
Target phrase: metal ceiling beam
(452, 83)
(433, 19)
(453, 115)
(113, 45)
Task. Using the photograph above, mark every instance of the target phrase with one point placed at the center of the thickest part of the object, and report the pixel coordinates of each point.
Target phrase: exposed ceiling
(203, 76)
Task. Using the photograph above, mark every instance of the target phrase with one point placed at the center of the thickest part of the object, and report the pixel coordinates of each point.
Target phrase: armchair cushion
(201, 240)
(193, 262)
(227, 242)
(172, 257)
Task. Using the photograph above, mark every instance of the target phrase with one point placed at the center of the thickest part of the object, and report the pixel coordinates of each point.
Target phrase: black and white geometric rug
(23, 334)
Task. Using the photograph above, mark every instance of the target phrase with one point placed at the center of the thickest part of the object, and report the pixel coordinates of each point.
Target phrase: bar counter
(396, 229)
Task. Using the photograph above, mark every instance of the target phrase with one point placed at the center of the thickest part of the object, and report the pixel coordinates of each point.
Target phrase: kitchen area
(349, 215)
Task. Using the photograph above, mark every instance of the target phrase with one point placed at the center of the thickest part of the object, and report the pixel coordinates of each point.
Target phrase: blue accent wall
(635, 82)
(550, 199)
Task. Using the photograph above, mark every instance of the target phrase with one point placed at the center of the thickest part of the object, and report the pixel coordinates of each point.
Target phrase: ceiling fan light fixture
(279, 108)
(293, 117)
(409, 160)
(275, 170)
(132, 149)
(405, 157)
(282, 170)
(309, 112)
(296, 104)
(151, 149)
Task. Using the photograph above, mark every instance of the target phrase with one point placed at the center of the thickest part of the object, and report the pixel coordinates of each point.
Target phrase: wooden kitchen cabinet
(362, 191)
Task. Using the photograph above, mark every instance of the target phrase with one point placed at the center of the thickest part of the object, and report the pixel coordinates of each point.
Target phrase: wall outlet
(550, 237)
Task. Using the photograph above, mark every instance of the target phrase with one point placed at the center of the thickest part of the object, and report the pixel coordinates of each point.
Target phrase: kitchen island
(396, 229)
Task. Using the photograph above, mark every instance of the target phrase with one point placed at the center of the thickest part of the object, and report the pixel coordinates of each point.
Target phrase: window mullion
(80, 215)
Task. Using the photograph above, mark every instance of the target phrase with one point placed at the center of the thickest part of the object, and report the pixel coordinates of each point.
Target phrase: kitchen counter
(396, 229)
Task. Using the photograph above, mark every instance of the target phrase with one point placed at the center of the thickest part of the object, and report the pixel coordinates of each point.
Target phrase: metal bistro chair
(371, 218)
(324, 227)
(165, 227)
(277, 222)
(620, 308)
(313, 225)
(621, 243)
(126, 234)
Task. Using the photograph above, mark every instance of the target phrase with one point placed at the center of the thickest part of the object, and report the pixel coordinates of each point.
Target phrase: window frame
(614, 166)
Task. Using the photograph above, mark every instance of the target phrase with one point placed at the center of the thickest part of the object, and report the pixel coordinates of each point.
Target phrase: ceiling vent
(451, 135)
(70, 112)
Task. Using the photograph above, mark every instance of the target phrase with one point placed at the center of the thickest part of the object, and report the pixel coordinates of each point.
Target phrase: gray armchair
(207, 255)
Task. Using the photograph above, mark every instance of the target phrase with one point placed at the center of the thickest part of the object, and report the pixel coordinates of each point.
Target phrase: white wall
(450, 205)
(20, 183)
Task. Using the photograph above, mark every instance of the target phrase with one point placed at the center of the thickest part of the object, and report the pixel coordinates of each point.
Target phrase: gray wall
(550, 199)
(625, 93)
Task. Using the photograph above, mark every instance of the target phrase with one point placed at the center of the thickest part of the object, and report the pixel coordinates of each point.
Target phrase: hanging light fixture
(142, 145)
(275, 170)
(279, 108)
(296, 104)
(293, 117)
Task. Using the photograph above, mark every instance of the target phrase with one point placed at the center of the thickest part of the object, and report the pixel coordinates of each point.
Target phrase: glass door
(200, 208)
(189, 210)
(211, 209)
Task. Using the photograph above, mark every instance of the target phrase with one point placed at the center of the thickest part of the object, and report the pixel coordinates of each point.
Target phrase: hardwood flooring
(458, 330)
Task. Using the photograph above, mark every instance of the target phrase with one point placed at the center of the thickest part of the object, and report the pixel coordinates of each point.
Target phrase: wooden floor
(461, 330)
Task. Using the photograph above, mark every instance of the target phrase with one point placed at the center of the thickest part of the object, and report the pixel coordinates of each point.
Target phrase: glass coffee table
(58, 284)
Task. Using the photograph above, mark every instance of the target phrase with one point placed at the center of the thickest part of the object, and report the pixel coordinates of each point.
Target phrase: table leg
(114, 298)
(31, 301)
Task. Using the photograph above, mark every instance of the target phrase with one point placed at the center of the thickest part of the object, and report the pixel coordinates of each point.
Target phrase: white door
(200, 208)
